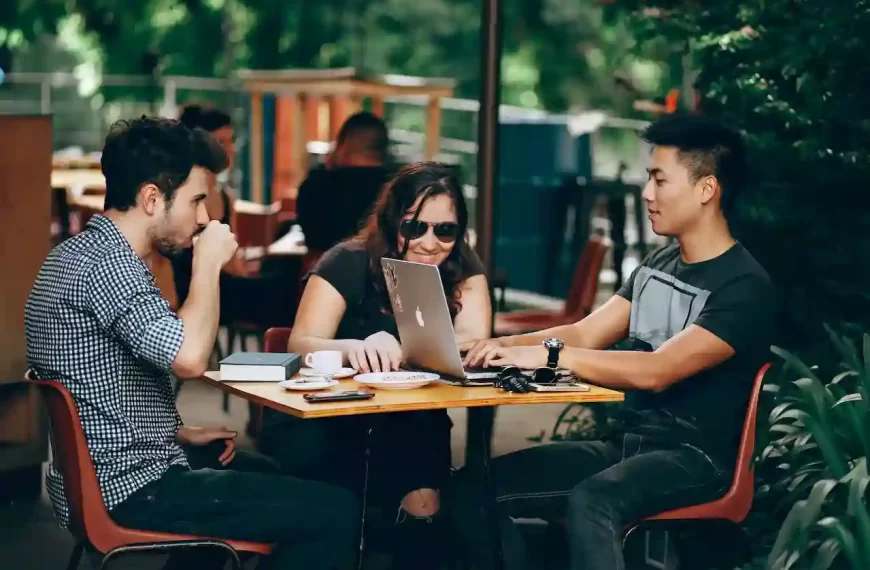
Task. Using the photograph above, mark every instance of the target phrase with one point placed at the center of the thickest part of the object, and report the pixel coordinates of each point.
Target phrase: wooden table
(78, 180)
(92, 202)
(479, 400)
(435, 396)
(288, 245)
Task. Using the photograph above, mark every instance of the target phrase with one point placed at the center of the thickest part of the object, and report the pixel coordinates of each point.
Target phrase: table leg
(616, 213)
(478, 454)
(62, 208)
(640, 220)
(360, 556)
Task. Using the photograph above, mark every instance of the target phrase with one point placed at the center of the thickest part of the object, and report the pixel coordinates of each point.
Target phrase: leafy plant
(783, 73)
(813, 470)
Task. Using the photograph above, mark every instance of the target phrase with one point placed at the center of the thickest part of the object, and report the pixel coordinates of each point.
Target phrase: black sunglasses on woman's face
(415, 229)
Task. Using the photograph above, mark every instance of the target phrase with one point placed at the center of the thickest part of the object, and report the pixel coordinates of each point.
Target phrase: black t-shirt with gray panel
(732, 297)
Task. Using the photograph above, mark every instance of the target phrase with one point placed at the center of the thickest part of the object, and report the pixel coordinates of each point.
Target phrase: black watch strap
(552, 357)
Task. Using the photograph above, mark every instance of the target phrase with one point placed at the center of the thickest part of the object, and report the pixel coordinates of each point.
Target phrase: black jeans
(313, 525)
(596, 487)
(409, 450)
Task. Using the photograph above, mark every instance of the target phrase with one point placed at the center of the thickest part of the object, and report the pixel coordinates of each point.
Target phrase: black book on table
(260, 366)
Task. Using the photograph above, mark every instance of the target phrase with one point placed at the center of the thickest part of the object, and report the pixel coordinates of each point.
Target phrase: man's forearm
(201, 314)
(617, 369)
(568, 333)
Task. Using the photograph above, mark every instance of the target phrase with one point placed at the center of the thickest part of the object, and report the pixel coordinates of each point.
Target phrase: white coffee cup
(324, 361)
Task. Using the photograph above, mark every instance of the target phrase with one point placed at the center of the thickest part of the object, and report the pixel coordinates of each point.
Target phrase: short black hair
(707, 148)
(199, 115)
(366, 133)
(154, 150)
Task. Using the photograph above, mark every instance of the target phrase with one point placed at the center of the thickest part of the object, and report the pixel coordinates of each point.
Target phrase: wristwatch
(553, 346)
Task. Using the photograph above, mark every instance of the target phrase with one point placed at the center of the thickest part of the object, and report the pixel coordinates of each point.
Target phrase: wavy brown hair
(380, 235)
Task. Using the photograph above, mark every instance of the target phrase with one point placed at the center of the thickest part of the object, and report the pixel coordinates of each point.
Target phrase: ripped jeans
(596, 487)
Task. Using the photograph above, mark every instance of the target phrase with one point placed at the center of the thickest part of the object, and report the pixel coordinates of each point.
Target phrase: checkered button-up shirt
(95, 321)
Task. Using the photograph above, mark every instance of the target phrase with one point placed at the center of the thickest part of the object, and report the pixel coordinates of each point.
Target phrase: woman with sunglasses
(420, 216)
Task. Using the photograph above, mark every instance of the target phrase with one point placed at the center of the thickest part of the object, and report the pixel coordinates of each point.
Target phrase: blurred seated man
(247, 297)
(334, 200)
(219, 202)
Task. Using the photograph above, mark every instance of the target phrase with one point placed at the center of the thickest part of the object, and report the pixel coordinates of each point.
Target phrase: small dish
(396, 380)
(305, 384)
(342, 373)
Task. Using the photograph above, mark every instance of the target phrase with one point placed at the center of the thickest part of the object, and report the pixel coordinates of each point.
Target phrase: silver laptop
(424, 323)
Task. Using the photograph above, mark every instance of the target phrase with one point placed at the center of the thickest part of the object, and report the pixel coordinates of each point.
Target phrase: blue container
(536, 157)
(268, 162)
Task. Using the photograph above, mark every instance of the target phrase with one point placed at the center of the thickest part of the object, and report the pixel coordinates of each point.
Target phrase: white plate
(342, 373)
(396, 380)
(307, 384)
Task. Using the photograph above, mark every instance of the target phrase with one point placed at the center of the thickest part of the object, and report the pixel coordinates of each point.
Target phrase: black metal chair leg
(157, 547)
(76, 556)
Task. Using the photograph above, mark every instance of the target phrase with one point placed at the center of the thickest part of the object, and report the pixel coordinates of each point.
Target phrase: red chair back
(71, 457)
(584, 284)
(735, 505)
(89, 519)
(255, 226)
(276, 338)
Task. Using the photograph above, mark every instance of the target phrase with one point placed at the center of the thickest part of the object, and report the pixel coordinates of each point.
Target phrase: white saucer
(396, 380)
(307, 384)
(342, 373)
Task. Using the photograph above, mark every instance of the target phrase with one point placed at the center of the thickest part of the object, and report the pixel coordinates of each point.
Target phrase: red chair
(275, 340)
(579, 303)
(733, 507)
(90, 522)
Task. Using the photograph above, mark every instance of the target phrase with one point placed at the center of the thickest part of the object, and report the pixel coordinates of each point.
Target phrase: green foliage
(811, 510)
(557, 54)
(789, 74)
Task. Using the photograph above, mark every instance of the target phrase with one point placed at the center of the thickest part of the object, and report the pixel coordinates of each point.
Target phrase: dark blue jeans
(596, 487)
(314, 525)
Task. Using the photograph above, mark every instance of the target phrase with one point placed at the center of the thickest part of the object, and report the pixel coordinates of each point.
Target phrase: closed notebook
(260, 366)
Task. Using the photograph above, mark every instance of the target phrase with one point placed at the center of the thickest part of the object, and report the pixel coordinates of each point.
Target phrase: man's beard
(168, 248)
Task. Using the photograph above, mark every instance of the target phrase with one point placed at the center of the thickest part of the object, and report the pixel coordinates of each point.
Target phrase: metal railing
(82, 118)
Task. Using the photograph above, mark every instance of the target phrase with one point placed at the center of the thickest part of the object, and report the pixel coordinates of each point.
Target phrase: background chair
(90, 522)
(578, 304)
(275, 340)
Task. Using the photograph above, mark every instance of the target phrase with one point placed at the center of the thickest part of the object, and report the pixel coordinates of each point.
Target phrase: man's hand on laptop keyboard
(380, 352)
(477, 351)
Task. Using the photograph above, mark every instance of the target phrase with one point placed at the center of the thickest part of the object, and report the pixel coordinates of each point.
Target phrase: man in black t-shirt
(335, 199)
(698, 316)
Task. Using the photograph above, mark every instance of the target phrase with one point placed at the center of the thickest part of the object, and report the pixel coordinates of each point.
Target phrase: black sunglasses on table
(415, 229)
(513, 379)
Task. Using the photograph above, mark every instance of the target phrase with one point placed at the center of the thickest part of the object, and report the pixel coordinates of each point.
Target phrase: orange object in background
(672, 100)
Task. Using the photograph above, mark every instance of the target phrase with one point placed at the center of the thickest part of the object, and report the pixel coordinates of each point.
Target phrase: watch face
(553, 343)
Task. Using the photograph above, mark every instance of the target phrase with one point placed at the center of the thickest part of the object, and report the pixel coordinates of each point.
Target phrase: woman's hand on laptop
(478, 351)
(380, 352)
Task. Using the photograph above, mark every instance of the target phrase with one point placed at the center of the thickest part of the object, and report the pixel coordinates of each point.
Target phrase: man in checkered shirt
(97, 323)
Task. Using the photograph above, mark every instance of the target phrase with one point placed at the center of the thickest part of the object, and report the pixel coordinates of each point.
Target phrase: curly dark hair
(154, 150)
(380, 236)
